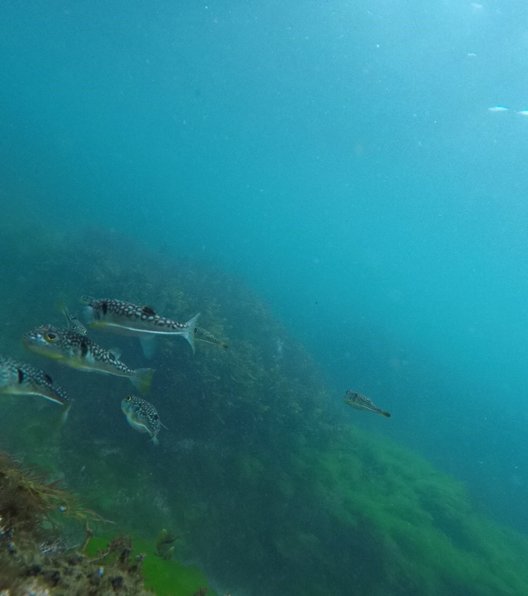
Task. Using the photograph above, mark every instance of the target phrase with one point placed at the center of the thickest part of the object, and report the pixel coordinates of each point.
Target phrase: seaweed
(35, 556)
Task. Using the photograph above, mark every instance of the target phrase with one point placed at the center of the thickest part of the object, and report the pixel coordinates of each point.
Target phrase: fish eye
(50, 336)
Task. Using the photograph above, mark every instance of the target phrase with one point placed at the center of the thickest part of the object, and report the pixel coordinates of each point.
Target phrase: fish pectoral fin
(148, 345)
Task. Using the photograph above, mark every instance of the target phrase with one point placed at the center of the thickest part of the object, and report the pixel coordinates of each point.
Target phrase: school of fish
(71, 346)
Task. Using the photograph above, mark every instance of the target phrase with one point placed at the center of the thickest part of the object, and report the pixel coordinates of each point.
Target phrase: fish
(142, 416)
(202, 334)
(523, 112)
(19, 378)
(80, 352)
(498, 109)
(360, 402)
(131, 319)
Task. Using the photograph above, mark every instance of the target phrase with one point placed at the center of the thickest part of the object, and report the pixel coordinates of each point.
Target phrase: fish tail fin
(142, 379)
(190, 329)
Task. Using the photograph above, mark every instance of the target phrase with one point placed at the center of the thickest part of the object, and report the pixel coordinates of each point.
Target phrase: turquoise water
(339, 159)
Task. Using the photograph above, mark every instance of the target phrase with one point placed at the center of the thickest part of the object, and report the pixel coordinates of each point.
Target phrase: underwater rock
(36, 559)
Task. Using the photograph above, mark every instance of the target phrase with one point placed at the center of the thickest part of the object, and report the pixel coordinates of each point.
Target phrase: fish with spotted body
(142, 416)
(126, 318)
(79, 351)
(19, 378)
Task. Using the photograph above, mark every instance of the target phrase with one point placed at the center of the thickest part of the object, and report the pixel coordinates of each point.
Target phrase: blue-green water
(338, 158)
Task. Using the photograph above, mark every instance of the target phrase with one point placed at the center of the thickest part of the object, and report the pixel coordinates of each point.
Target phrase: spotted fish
(79, 351)
(206, 336)
(140, 321)
(18, 378)
(142, 416)
(360, 402)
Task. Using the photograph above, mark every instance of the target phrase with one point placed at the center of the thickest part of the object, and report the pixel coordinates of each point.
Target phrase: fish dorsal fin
(84, 346)
(148, 310)
(115, 352)
(73, 322)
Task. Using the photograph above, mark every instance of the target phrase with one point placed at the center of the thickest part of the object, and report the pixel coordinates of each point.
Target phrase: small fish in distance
(360, 402)
(202, 334)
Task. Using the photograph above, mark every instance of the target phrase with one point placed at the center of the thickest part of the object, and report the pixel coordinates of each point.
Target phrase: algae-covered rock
(35, 555)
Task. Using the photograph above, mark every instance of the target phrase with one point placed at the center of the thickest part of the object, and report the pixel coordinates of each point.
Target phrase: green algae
(163, 577)
(424, 520)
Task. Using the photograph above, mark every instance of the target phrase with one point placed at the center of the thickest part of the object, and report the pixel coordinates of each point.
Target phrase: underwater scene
(263, 324)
